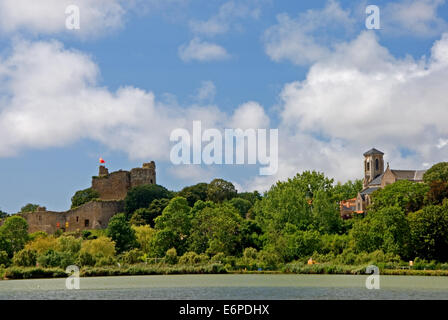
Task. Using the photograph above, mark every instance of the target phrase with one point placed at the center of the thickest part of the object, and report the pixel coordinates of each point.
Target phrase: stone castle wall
(92, 215)
(115, 185)
(112, 187)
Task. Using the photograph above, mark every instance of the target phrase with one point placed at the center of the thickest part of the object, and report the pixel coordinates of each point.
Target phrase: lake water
(229, 287)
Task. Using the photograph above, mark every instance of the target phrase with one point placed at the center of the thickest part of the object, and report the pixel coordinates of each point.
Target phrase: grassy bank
(163, 269)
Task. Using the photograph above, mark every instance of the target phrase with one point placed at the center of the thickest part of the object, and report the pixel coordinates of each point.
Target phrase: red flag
(102, 160)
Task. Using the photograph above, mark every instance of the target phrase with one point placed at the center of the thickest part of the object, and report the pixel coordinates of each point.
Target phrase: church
(375, 177)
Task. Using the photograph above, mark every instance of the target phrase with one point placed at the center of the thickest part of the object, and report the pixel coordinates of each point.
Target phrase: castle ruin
(112, 189)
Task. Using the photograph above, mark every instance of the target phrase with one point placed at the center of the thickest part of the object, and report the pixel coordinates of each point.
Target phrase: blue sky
(285, 56)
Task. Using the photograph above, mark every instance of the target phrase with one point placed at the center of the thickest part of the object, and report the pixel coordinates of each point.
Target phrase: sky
(136, 70)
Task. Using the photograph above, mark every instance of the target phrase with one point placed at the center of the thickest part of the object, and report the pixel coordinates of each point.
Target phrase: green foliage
(100, 247)
(56, 259)
(25, 258)
(154, 210)
(438, 191)
(120, 231)
(252, 197)
(29, 208)
(429, 232)
(162, 241)
(4, 259)
(194, 193)
(171, 256)
(438, 172)
(143, 235)
(83, 196)
(325, 211)
(85, 258)
(175, 220)
(142, 196)
(216, 229)
(3, 214)
(290, 202)
(137, 218)
(243, 206)
(220, 190)
(132, 256)
(192, 258)
(348, 190)
(407, 195)
(386, 229)
(14, 233)
(69, 245)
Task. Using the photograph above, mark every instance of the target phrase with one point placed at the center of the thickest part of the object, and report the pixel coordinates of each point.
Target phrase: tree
(348, 190)
(220, 190)
(291, 202)
(407, 195)
(438, 191)
(120, 231)
(194, 193)
(429, 232)
(155, 209)
(386, 229)
(29, 208)
(83, 196)
(176, 218)
(142, 196)
(137, 218)
(326, 214)
(438, 172)
(243, 206)
(25, 258)
(102, 247)
(216, 229)
(15, 232)
(3, 214)
(250, 196)
(144, 234)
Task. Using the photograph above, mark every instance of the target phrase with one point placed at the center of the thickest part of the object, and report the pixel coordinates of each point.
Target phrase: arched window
(377, 164)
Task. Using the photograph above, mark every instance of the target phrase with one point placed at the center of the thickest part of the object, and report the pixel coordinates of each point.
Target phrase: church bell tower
(373, 165)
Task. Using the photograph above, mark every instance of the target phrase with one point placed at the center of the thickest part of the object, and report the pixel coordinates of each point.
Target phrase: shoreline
(17, 273)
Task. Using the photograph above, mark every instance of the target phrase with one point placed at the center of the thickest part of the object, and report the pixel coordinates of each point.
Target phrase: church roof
(372, 151)
(412, 175)
(369, 190)
(377, 180)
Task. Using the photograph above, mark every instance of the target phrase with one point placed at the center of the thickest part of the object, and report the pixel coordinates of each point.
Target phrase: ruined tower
(115, 185)
(373, 165)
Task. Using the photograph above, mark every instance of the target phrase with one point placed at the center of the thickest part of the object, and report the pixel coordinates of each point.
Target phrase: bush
(4, 259)
(86, 259)
(83, 196)
(101, 247)
(25, 258)
(192, 258)
(171, 256)
(56, 259)
(106, 261)
(133, 256)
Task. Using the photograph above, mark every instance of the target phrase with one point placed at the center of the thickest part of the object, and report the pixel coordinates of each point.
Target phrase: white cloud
(415, 17)
(207, 91)
(306, 39)
(360, 97)
(249, 115)
(48, 16)
(50, 97)
(226, 17)
(202, 51)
